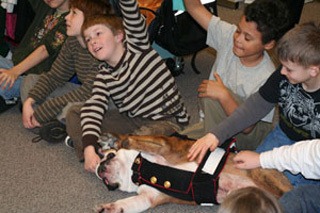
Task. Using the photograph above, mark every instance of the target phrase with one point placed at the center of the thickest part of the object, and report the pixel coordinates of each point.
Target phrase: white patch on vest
(213, 161)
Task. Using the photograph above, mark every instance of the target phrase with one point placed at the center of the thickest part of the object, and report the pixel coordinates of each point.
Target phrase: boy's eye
(87, 40)
(247, 38)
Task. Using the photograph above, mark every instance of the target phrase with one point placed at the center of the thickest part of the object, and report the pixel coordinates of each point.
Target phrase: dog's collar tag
(213, 161)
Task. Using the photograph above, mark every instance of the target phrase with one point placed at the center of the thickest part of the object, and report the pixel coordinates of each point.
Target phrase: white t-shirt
(302, 157)
(242, 80)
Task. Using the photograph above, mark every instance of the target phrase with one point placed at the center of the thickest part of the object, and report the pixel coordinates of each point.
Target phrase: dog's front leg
(147, 197)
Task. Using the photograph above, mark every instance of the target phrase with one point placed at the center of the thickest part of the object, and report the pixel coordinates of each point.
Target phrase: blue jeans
(14, 91)
(277, 138)
(302, 199)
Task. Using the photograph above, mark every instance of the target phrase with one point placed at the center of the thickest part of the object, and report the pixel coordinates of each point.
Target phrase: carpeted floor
(41, 177)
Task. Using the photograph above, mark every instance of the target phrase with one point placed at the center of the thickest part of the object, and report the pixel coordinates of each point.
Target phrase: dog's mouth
(101, 171)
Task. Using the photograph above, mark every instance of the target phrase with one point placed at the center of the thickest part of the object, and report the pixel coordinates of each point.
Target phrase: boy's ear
(271, 44)
(120, 36)
(315, 70)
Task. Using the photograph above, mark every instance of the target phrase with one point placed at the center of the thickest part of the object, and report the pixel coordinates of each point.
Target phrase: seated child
(132, 76)
(295, 87)
(37, 50)
(241, 66)
(47, 95)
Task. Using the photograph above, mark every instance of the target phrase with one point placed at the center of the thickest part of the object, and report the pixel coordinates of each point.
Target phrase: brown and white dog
(116, 172)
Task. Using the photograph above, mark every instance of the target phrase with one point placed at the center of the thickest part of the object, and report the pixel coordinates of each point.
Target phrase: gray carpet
(41, 177)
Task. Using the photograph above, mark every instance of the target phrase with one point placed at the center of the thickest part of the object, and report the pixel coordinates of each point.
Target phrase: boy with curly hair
(241, 66)
(294, 87)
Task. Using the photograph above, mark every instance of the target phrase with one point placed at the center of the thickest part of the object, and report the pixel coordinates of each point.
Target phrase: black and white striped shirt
(140, 85)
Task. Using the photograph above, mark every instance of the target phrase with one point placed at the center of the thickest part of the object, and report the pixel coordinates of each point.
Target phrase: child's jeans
(301, 199)
(277, 138)
(14, 91)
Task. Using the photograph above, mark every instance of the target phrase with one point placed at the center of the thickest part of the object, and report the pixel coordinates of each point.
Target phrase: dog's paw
(108, 208)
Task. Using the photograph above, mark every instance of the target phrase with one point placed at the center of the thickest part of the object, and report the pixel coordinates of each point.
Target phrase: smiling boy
(294, 86)
(133, 76)
(241, 66)
(52, 92)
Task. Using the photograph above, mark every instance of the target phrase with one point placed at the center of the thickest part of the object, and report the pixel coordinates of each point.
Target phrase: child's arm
(8, 77)
(53, 106)
(135, 25)
(198, 12)
(247, 114)
(216, 90)
(302, 157)
(28, 119)
(91, 159)
(61, 71)
(93, 110)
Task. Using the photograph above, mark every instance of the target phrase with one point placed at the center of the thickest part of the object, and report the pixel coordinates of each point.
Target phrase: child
(242, 64)
(73, 58)
(250, 200)
(37, 50)
(133, 76)
(295, 87)
(304, 198)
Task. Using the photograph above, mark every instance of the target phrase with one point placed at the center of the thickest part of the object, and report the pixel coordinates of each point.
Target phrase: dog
(127, 150)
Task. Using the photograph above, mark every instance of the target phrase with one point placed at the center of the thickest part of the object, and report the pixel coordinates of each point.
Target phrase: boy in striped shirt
(133, 77)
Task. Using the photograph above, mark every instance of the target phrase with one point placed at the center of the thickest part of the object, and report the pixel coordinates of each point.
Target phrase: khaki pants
(114, 122)
(214, 114)
(30, 81)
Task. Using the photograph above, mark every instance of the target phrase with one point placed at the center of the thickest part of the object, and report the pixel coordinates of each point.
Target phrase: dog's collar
(200, 186)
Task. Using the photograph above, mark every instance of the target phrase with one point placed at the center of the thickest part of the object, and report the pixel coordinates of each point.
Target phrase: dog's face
(115, 169)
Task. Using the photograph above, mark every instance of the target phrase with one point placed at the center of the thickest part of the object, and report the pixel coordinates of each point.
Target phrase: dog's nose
(110, 156)
(100, 170)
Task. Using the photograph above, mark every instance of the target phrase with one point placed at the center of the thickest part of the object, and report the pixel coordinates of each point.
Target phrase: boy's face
(247, 40)
(101, 42)
(295, 73)
(62, 5)
(74, 21)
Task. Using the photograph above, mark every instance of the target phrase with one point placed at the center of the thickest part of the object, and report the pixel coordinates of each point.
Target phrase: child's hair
(92, 7)
(113, 22)
(250, 200)
(271, 17)
(301, 45)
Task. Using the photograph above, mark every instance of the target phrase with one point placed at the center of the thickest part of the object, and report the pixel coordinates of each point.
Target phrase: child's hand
(201, 146)
(28, 119)
(91, 159)
(214, 89)
(7, 78)
(247, 160)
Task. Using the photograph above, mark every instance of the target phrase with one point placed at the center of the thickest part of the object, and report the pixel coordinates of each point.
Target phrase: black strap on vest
(191, 186)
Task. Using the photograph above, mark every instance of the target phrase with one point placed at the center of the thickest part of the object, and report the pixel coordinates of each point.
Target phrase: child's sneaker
(68, 141)
(7, 104)
(52, 132)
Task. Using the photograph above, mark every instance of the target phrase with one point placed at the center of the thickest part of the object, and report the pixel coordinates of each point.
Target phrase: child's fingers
(217, 77)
